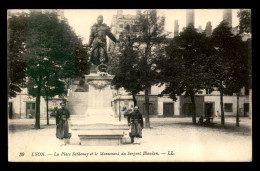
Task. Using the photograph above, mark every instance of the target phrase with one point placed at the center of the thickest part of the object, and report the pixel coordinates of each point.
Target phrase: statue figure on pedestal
(98, 35)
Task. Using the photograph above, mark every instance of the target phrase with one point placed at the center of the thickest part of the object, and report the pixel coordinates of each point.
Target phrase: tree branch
(139, 50)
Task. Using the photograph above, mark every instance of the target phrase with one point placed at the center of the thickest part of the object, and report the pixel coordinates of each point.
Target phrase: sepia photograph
(129, 85)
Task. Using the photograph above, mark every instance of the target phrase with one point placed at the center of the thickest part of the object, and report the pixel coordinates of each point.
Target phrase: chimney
(119, 13)
(176, 28)
(208, 29)
(227, 16)
(190, 17)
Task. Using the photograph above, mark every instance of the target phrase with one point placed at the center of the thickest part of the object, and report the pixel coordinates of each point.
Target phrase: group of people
(134, 119)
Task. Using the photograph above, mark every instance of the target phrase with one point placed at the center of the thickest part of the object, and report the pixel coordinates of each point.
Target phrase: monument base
(98, 125)
(99, 134)
(101, 138)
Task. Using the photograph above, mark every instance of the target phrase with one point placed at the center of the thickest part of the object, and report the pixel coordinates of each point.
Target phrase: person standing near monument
(217, 115)
(135, 121)
(98, 34)
(62, 127)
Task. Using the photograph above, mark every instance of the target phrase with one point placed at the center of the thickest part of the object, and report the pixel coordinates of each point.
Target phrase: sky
(81, 20)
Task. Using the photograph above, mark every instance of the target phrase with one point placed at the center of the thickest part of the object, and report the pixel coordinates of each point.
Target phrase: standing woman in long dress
(62, 130)
(135, 120)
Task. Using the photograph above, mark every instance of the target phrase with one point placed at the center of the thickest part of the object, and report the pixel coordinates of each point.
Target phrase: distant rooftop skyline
(82, 19)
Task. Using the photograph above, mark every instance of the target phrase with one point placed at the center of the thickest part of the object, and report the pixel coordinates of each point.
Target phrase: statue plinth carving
(99, 84)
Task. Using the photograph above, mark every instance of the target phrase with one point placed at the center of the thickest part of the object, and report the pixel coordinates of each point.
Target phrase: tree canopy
(16, 37)
(229, 64)
(244, 16)
(52, 50)
(139, 53)
(185, 69)
(127, 73)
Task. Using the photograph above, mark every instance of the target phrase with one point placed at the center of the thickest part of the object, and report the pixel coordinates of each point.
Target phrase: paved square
(168, 139)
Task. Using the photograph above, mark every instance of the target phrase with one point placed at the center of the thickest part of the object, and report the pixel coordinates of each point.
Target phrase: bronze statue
(98, 35)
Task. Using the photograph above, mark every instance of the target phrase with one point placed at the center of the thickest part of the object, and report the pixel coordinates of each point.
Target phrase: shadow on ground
(28, 127)
(228, 128)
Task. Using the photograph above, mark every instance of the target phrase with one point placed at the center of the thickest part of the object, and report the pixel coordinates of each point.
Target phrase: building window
(228, 107)
(187, 109)
(208, 91)
(28, 105)
(246, 109)
(10, 106)
(168, 109)
(121, 25)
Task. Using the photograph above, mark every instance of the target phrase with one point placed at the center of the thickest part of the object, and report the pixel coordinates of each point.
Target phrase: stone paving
(168, 139)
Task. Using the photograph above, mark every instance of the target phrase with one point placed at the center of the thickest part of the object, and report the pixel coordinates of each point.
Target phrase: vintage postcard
(129, 85)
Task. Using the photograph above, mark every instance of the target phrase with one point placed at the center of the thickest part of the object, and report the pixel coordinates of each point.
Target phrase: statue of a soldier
(98, 35)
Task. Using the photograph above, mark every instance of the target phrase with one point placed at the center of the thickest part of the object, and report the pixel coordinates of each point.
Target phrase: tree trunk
(237, 118)
(192, 96)
(222, 109)
(38, 101)
(134, 99)
(47, 106)
(147, 120)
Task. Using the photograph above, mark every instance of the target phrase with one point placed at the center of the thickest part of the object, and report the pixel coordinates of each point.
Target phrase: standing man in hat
(135, 120)
(62, 129)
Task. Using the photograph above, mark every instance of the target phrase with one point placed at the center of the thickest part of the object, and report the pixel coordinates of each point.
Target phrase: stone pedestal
(98, 125)
(107, 138)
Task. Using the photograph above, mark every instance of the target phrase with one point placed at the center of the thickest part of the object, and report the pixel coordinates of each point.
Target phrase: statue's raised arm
(111, 36)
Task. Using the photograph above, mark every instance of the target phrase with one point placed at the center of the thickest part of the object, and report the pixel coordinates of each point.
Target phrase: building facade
(23, 106)
(207, 104)
(122, 25)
